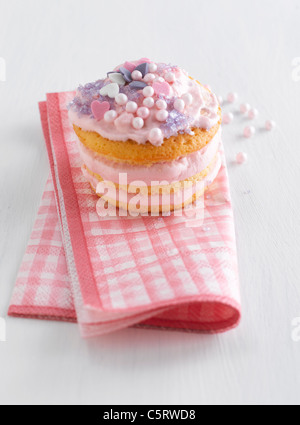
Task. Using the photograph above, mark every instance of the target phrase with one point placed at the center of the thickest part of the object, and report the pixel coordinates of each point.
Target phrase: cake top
(144, 101)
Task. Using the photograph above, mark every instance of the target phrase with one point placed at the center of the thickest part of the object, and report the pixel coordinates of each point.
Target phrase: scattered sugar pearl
(137, 76)
(152, 67)
(245, 108)
(110, 116)
(143, 112)
(253, 113)
(149, 78)
(170, 77)
(121, 99)
(232, 97)
(156, 136)
(148, 91)
(161, 104)
(270, 125)
(162, 115)
(187, 98)
(131, 107)
(241, 158)
(228, 118)
(179, 105)
(249, 132)
(138, 123)
(149, 102)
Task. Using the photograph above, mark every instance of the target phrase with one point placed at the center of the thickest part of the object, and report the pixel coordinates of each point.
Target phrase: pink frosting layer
(178, 170)
(175, 199)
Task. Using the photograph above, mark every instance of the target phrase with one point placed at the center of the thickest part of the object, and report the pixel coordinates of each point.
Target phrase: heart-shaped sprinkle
(117, 78)
(137, 85)
(126, 74)
(130, 66)
(143, 68)
(99, 109)
(111, 90)
(161, 88)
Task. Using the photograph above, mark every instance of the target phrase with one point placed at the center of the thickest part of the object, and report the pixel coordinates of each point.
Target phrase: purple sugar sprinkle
(143, 68)
(176, 123)
(138, 85)
(126, 74)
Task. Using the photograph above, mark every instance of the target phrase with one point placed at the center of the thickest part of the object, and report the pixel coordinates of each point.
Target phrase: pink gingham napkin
(109, 275)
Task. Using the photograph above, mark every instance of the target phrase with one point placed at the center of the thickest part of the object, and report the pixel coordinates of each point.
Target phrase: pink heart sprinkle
(144, 60)
(130, 66)
(99, 109)
(162, 88)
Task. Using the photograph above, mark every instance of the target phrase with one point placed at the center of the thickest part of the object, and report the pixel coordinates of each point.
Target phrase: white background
(246, 46)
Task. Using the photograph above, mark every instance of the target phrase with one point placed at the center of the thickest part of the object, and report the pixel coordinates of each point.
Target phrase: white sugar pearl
(156, 136)
(179, 105)
(161, 104)
(232, 97)
(249, 132)
(131, 107)
(138, 123)
(270, 125)
(149, 102)
(110, 116)
(253, 113)
(170, 77)
(137, 76)
(121, 99)
(228, 118)
(152, 67)
(160, 79)
(148, 91)
(162, 115)
(187, 98)
(241, 158)
(143, 112)
(149, 78)
(244, 108)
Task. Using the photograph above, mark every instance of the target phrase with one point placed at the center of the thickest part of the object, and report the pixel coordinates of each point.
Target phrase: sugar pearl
(244, 108)
(148, 91)
(249, 132)
(121, 99)
(143, 112)
(161, 104)
(241, 158)
(152, 67)
(149, 102)
(131, 107)
(110, 116)
(270, 125)
(138, 123)
(149, 78)
(137, 76)
(228, 118)
(187, 98)
(179, 105)
(232, 97)
(162, 115)
(170, 77)
(156, 136)
(160, 79)
(253, 113)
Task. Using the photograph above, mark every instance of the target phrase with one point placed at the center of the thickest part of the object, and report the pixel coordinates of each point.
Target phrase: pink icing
(178, 170)
(201, 113)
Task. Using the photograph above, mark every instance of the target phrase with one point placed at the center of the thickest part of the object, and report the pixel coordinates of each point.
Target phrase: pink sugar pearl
(137, 76)
(162, 115)
(244, 108)
(156, 136)
(228, 118)
(270, 125)
(249, 132)
(253, 113)
(149, 102)
(232, 97)
(138, 123)
(241, 158)
(149, 78)
(131, 107)
(143, 112)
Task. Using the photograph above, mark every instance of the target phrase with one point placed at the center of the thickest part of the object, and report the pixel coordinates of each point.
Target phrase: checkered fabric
(114, 273)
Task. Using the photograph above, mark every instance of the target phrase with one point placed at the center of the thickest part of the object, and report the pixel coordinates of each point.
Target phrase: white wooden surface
(247, 46)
